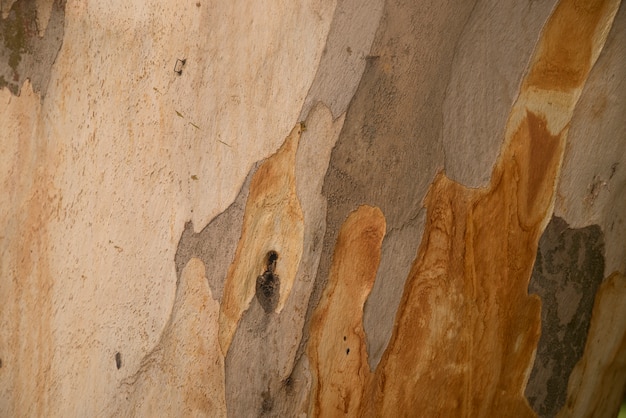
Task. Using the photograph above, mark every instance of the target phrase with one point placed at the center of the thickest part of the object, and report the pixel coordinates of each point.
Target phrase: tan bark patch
(273, 221)
(29, 202)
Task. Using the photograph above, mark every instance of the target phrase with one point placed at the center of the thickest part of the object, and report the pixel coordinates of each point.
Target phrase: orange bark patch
(536, 155)
(425, 365)
(273, 221)
(564, 57)
(337, 347)
(466, 330)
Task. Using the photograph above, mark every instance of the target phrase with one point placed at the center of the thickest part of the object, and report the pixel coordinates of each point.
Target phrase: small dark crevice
(118, 360)
(268, 403)
(288, 384)
(268, 284)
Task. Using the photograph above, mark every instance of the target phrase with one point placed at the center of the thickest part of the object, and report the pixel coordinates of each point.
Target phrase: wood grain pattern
(337, 347)
(26, 279)
(466, 330)
(597, 383)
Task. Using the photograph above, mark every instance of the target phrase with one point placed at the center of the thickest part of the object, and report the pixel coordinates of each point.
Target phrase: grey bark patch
(390, 148)
(254, 368)
(490, 61)
(216, 244)
(23, 54)
(350, 36)
(567, 273)
(250, 367)
(398, 251)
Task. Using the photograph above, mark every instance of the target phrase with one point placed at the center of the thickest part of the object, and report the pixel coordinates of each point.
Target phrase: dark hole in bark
(118, 360)
(268, 284)
(288, 384)
(270, 263)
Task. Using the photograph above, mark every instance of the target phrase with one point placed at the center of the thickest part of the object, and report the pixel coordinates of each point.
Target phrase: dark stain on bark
(23, 54)
(567, 273)
(268, 403)
(118, 360)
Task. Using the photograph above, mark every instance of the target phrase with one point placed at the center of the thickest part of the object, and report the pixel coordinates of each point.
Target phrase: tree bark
(338, 208)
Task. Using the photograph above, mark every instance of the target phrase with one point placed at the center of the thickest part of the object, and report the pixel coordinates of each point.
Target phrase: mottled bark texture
(568, 270)
(313, 208)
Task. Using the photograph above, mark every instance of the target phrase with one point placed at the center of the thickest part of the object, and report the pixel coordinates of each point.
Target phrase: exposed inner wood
(599, 377)
(466, 330)
(337, 347)
(273, 221)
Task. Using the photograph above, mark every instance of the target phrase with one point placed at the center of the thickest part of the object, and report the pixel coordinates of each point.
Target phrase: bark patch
(568, 271)
(23, 53)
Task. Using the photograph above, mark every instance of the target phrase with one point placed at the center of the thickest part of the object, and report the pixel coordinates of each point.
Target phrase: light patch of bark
(273, 221)
(184, 374)
(597, 383)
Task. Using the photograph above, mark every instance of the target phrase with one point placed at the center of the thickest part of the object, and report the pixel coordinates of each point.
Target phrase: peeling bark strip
(466, 329)
(337, 347)
(273, 221)
(597, 383)
(261, 362)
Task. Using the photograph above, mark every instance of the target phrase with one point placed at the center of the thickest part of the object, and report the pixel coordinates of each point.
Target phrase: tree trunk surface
(316, 208)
